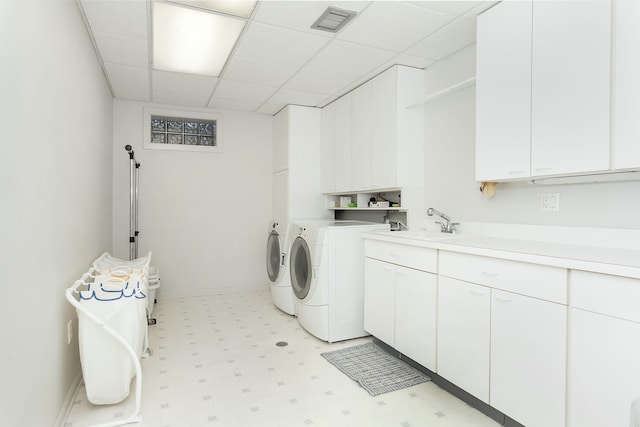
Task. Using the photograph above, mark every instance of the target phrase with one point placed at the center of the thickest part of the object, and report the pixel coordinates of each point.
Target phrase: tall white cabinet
(296, 179)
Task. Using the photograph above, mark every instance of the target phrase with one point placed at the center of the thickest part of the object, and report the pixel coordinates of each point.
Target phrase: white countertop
(620, 262)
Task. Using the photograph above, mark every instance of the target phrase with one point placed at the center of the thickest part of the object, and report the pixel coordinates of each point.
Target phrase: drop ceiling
(280, 59)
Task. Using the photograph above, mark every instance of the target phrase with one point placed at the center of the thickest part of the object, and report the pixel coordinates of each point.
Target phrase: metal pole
(137, 232)
(132, 220)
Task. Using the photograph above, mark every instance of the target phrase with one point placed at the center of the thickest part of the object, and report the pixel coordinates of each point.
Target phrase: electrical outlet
(551, 202)
(69, 331)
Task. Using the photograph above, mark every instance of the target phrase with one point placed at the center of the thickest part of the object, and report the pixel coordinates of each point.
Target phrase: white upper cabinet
(378, 135)
(328, 149)
(543, 89)
(343, 143)
(361, 137)
(503, 92)
(336, 146)
(626, 95)
(571, 80)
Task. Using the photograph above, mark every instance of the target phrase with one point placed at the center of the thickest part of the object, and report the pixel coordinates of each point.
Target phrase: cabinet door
(361, 137)
(281, 141)
(343, 143)
(570, 87)
(384, 125)
(379, 300)
(503, 92)
(328, 149)
(463, 335)
(603, 369)
(528, 359)
(415, 326)
(626, 99)
(281, 196)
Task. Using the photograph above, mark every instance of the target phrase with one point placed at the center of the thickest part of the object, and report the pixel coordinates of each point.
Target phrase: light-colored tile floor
(215, 363)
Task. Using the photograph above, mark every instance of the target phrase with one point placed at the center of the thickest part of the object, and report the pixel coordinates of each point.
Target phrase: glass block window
(182, 130)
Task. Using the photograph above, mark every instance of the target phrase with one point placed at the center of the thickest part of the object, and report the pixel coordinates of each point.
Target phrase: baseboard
(461, 394)
(68, 401)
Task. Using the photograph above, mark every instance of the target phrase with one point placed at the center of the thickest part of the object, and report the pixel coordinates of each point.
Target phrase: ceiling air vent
(333, 19)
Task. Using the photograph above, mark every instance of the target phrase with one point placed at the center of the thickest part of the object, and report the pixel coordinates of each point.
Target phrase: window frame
(183, 114)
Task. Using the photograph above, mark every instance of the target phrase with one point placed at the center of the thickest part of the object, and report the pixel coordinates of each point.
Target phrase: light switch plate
(551, 202)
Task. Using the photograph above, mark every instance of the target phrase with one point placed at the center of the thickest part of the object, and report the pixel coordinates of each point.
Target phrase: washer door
(274, 255)
(300, 268)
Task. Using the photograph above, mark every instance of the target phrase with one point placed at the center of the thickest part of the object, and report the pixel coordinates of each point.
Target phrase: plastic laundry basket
(107, 366)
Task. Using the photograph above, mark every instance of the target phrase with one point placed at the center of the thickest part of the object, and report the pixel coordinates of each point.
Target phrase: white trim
(186, 114)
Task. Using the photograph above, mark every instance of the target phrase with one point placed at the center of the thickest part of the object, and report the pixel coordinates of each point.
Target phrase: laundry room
(452, 185)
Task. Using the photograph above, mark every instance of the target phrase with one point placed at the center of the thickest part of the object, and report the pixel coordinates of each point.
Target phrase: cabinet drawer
(424, 259)
(538, 281)
(602, 293)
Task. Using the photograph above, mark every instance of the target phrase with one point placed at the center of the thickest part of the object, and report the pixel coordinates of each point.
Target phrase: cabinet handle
(520, 172)
(490, 273)
(394, 253)
(501, 299)
(477, 293)
(543, 168)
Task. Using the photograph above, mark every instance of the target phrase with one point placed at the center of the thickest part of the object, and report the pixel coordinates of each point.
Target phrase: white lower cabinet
(604, 352)
(503, 338)
(415, 329)
(528, 359)
(379, 300)
(400, 300)
(464, 316)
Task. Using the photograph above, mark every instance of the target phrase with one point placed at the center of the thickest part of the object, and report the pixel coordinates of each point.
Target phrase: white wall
(55, 182)
(450, 184)
(204, 216)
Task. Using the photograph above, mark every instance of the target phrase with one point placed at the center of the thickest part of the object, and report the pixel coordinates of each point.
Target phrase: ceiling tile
(318, 82)
(409, 61)
(270, 108)
(243, 91)
(233, 104)
(453, 37)
(128, 82)
(296, 97)
(267, 43)
(349, 58)
(300, 15)
(181, 89)
(251, 71)
(393, 25)
(450, 7)
(124, 18)
(122, 50)
(484, 5)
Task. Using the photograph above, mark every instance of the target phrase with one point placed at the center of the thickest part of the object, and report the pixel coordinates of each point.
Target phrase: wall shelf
(369, 209)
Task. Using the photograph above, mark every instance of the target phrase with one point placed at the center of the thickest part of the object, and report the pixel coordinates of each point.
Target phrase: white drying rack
(107, 262)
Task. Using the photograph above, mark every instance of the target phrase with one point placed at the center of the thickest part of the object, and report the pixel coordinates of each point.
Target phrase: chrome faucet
(447, 226)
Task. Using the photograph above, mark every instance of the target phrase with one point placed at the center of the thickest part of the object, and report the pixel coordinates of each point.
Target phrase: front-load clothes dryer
(326, 265)
(278, 268)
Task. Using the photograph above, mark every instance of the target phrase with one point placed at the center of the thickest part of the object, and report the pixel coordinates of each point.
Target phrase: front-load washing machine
(326, 265)
(278, 268)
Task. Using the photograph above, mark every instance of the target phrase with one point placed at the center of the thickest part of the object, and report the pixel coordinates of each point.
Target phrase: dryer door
(274, 256)
(300, 268)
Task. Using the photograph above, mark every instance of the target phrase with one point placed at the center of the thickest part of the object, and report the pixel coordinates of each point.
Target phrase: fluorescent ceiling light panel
(191, 41)
(242, 8)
